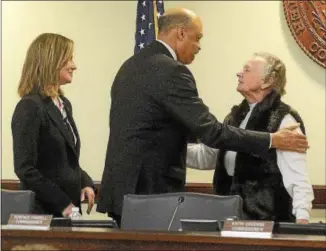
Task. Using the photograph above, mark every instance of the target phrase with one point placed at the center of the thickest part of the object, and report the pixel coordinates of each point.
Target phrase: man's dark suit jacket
(154, 108)
(46, 159)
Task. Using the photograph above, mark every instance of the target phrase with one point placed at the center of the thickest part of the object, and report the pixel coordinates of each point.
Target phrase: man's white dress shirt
(174, 55)
(292, 167)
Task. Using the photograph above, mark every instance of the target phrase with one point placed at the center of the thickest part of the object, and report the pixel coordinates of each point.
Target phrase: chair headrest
(5, 192)
(176, 195)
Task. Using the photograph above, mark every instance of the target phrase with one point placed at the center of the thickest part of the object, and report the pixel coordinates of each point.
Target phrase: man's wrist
(302, 214)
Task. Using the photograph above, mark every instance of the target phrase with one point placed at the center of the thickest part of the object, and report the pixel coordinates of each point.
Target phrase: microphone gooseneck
(181, 199)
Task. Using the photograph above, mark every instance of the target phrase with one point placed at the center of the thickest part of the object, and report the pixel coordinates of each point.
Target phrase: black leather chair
(13, 201)
(155, 212)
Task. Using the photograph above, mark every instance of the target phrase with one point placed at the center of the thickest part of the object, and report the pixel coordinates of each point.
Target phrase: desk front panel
(115, 239)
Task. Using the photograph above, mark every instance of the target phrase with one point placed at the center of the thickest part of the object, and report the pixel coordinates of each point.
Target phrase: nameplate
(255, 229)
(29, 221)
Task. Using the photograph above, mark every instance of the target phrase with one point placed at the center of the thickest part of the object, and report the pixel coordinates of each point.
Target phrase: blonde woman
(46, 142)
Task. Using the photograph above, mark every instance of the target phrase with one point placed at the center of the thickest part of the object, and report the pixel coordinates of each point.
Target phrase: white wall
(104, 36)
(103, 33)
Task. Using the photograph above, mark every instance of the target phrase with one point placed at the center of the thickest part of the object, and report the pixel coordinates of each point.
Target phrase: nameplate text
(29, 221)
(247, 228)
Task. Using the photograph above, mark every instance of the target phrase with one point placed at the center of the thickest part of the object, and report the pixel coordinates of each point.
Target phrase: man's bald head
(182, 30)
(174, 18)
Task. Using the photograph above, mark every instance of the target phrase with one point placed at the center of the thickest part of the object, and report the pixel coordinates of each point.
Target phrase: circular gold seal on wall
(307, 22)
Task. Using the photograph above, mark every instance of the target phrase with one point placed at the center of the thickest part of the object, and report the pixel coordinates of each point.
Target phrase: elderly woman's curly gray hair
(274, 71)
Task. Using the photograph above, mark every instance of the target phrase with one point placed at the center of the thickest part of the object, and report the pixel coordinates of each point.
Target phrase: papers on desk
(253, 229)
(29, 221)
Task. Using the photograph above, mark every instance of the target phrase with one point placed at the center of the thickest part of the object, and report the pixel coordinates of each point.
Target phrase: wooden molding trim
(117, 239)
(318, 203)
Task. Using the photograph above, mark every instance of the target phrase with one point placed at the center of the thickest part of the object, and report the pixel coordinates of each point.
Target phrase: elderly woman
(276, 188)
(46, 142)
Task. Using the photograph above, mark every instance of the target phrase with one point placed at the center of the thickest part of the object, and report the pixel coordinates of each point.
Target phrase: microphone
(181, 199)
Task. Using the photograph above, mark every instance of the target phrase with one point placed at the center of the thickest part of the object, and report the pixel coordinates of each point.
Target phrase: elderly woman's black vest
(258, 181)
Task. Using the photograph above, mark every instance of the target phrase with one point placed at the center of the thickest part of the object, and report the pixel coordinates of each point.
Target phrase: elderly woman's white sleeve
(200, 156)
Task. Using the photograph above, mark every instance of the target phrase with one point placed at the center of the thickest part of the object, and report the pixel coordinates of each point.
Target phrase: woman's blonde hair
(45, 57)
(274, 71)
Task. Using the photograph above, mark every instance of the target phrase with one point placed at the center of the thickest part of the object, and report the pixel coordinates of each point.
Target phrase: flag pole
(155, 18)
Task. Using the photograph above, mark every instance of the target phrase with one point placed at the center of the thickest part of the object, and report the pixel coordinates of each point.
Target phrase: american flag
(148, 13)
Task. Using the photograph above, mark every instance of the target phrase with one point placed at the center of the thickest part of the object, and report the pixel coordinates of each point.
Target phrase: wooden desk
(115, 239)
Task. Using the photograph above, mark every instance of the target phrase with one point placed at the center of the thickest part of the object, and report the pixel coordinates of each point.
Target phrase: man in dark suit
(154, 109)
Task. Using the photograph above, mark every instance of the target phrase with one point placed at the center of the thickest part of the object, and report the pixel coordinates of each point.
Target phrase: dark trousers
(115, 217)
